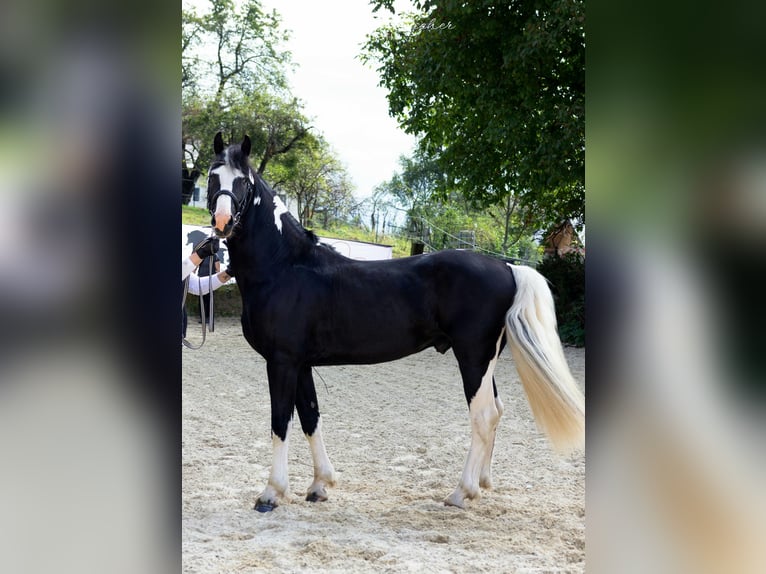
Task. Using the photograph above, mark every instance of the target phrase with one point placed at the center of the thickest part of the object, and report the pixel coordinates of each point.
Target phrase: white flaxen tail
(557, 403)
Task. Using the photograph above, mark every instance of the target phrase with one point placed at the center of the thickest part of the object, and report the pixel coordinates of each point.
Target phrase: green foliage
(436, 218)
(496, 92)
(313, 175)
(232, 46)
(234, 71)
(567, 277)
(227, 303)
(275, 125)
(234, 82)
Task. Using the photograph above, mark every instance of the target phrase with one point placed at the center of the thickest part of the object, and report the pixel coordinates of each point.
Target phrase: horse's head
(229, 185)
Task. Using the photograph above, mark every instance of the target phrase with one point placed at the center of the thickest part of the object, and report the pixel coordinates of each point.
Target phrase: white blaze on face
(279, 209)
(223, 208)
(223, 212)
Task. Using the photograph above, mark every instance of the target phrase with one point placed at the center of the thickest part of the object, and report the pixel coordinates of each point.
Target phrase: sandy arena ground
(398, 434)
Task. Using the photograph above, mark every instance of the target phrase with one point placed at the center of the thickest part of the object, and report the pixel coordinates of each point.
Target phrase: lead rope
(210, 289)
(185, 341)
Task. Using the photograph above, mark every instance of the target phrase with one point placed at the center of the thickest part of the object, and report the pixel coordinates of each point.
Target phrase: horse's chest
(267, 330)
(255, 336)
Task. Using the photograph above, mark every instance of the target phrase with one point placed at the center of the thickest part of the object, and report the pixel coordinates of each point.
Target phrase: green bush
(567, 277)
(226, 303)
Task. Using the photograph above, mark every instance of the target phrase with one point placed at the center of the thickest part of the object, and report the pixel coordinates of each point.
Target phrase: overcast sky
(340, 94)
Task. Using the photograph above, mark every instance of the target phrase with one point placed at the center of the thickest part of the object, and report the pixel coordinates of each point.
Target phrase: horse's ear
(218, 143)
(246, 146)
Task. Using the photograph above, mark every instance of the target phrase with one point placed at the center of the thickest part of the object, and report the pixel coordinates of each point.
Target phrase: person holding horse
(208, 247)
(202, 285)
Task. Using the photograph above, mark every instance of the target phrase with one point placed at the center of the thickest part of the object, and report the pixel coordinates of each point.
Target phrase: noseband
(239, 206)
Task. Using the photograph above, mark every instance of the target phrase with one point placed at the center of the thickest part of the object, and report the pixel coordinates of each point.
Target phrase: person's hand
(229, 271)
(207, 247)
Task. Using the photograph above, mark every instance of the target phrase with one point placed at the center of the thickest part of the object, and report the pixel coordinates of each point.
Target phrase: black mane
(300, 244)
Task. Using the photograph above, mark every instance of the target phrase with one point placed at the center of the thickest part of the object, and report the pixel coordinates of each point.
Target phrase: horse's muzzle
(222, 225)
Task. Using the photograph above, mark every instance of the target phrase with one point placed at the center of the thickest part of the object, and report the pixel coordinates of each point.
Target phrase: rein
(185, 341)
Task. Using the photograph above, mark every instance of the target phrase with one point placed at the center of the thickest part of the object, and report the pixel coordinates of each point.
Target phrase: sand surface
(398, 434)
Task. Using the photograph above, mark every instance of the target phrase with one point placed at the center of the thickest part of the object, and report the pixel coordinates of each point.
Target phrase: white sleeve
(198, 285)
(215, 282)
(202, 285)
(187, 266)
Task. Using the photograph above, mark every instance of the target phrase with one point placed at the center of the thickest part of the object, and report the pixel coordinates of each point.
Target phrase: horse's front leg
(283, 382)
(308, 411)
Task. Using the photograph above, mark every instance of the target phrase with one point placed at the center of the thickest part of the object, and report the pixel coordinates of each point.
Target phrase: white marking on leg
(485, 478)
(484, 415)
(279, 210)
(278, 485)
(324, 473)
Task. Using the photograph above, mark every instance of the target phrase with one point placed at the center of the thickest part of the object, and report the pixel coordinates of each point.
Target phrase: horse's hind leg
(283, 382)
(485, 411)
(308, 411)
(485, 477)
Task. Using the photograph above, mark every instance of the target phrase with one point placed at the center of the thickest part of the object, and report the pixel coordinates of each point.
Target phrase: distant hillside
(401, 247)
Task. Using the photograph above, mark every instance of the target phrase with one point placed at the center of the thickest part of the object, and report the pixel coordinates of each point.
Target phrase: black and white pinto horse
(306, 305)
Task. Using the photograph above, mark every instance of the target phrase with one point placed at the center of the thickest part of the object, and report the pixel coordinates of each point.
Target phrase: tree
(234, 82)
(336, 200)
(380, 208)
(232, 47)
(312, 175)
(414, 189)
(495, 90)
(436, 218)
(275, 125)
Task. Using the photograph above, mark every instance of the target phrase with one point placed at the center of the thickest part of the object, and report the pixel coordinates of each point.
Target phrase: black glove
(207, 247)
(229, 271)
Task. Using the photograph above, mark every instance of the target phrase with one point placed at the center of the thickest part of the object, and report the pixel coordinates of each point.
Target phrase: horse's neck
(260, 246)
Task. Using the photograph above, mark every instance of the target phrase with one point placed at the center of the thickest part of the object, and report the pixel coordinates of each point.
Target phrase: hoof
(460, 495)
(455, 499)
(316, 497)
(264, 506)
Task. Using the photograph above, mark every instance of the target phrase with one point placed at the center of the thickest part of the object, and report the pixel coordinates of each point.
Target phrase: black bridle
(239, 205)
